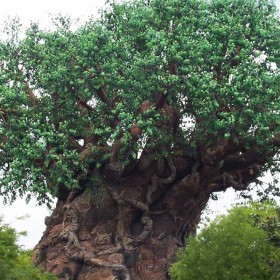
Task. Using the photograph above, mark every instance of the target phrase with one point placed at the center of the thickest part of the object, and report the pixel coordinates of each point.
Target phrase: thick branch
(214, 154)
(276, 140)
(241, 160)
(84, 104)
(33, 99)
(102, 94)
(237, 179)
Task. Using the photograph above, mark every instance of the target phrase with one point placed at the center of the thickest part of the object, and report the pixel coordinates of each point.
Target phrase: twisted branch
(160, 182)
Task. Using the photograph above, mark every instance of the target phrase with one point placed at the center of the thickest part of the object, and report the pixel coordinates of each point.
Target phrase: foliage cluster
(15, 263)
(271, 224)
(68, 96)
(233, 247)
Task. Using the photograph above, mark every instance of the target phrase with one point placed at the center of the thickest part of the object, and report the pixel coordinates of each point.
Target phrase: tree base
(117, 235)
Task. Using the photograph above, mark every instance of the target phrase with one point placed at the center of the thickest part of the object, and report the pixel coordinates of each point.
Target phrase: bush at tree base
(232, 247)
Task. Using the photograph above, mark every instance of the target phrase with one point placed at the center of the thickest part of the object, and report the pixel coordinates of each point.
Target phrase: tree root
(90, 259)
(145, 219)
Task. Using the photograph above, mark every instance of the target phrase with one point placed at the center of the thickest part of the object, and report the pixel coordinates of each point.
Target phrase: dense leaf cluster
(67, 96)
(271, 225)
(232, 247)
(15, 263)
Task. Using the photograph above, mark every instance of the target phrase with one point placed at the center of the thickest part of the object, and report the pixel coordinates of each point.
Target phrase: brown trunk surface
(129, 227)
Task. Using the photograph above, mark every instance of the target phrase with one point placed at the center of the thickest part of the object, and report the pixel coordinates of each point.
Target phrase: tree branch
(102, 94)
(214, 154)
(33, 99)
(84, 104)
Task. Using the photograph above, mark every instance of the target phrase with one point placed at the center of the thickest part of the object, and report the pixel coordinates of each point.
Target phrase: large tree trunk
(129, 227)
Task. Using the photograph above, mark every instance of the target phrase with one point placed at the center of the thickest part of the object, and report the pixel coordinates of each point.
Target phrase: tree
(15, 263)
(96, 118)
(231, 247)
(271, 224)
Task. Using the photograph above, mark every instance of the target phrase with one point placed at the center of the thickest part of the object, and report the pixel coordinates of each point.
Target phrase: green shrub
(15, 263)
(233, 247)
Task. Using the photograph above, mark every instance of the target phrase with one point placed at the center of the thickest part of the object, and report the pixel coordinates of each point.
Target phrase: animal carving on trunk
(69, 233)
(148, 266)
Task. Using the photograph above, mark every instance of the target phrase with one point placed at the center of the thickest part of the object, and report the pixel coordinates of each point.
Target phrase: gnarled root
(90, 259)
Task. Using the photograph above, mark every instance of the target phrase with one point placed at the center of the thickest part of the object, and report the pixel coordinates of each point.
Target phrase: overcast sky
(39, 11)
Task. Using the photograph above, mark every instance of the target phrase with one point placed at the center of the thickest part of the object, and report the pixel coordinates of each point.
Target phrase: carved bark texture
(130, 227)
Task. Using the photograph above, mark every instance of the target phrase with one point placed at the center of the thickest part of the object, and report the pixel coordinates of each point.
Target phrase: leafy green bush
(15, 263)
(232, 247)
(271, 224)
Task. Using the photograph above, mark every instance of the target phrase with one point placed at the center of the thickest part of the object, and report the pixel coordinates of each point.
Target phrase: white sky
(39, 11)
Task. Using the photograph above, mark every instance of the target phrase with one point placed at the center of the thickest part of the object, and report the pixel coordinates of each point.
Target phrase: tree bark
(129, 226)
